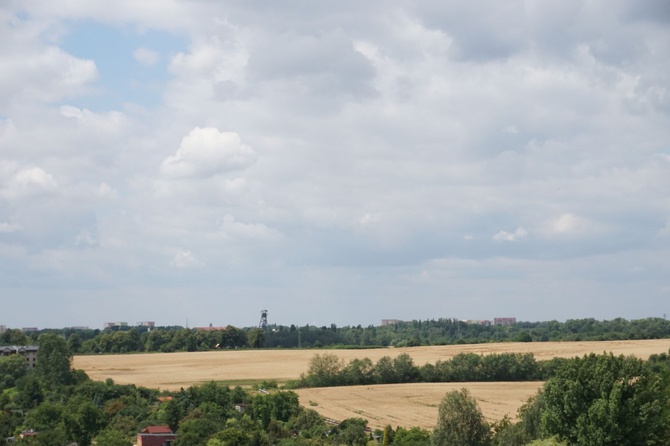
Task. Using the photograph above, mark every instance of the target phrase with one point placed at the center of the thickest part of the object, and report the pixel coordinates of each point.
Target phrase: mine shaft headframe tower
(263, 324)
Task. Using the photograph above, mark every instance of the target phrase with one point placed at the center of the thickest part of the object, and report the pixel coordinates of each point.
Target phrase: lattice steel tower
(263, 324)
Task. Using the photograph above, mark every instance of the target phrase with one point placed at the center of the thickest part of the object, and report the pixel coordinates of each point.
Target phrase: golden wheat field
(401, 405)
(410, 405)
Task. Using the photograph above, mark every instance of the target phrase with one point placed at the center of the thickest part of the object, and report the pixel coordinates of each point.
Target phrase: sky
(196, 162)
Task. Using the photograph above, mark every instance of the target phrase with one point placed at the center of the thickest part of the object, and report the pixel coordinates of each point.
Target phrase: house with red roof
(156, 436)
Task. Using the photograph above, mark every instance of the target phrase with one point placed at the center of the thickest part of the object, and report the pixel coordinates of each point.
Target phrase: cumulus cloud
(145, 56)
(35, 71)
(569, 223)
(30, 181)
(518, 234)
(184, 259)
(205, 152)
(231, 229)
(105, 191)
(111, 123)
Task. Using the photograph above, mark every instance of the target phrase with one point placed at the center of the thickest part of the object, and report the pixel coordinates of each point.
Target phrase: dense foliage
(328, 369)
(606, 400)
(63, 406)
(596, 400)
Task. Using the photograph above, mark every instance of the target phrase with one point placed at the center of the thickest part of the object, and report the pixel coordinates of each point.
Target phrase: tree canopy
(606, 400)
(460, 422)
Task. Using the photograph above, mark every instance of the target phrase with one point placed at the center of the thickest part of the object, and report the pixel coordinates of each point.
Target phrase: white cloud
(30, 181)
(111, 123)
(231, 229)
(184, 259)
(517, 235)
(105, 191)
(568, 223)
(34, 71)
(146, 56)
(369, 219)
(206, 151)
(8, 228)
(85, 238)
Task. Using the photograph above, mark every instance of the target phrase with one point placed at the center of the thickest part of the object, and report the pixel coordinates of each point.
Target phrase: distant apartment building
(3, 328)
(114, 324)
(504, 320)
(27, 351)
(210, 327)
(148, 324)
(30, 329)
(390, 321)
(478, 322)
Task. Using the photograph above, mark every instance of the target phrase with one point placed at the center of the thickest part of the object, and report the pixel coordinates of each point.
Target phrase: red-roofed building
(504, 320)
(155, 436)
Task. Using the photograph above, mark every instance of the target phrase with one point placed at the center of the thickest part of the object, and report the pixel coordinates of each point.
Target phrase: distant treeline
(401, 334)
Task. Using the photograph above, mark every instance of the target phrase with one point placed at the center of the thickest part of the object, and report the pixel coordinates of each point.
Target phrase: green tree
(460, 422)
(405, 370)
(54, 361)
(110, 437)
(384, 371)
(308, 424)
(242, 432)
(530, 417)
(83, 421)
(200, 424)
(279, 406)
(74, 343)
(606, 400)
(173, 413)
(508, 434)
(256, 338)
(52, 437)
(351, 432)
(45, 416)
(184, 340)
(11, 368)
(411, 437)
(359, 372)
(30, 391)
(13, 336)
(387, 435)
(324, 370)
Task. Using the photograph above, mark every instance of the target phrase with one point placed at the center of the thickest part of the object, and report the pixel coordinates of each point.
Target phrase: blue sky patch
(120, 75)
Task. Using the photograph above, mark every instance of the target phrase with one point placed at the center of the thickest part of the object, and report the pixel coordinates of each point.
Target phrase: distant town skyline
(333, 162)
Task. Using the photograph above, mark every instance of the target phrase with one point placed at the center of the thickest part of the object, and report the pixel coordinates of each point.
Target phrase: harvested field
(174, 370)
(398, 405)
(410, 405)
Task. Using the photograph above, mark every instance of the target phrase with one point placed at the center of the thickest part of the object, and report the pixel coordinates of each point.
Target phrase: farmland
(410, 405)
(403, 405)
